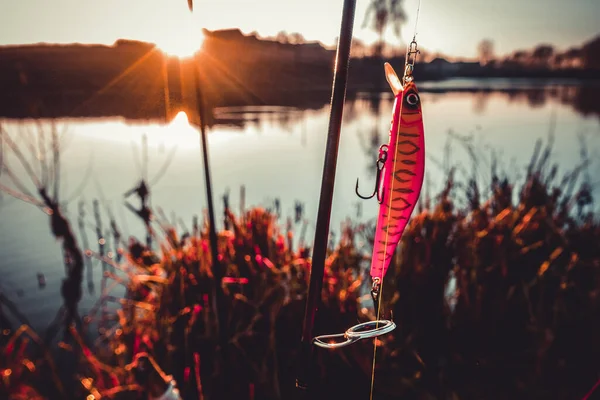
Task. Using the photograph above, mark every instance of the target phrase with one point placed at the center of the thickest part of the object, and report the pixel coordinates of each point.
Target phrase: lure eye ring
(412, 99)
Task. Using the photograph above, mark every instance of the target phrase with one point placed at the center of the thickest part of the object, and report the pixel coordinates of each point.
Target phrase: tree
(359, 48)
(541, 54)
(485, 51)
(295, 38)
(558, 60)
(380, 14)
(573, 57)
(591, 54)
(282, 37)
(519, 55)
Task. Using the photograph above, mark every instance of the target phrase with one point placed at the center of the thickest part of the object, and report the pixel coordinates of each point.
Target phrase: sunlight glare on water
(276, 155)
(179, 132)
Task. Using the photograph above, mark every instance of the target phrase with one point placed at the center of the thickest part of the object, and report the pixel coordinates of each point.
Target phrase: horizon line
(273, 39)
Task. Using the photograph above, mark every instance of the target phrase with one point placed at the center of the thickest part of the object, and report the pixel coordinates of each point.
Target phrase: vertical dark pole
(219, 296)
(324, 214)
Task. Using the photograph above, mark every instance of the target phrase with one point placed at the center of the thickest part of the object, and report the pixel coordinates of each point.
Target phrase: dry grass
(521, 319)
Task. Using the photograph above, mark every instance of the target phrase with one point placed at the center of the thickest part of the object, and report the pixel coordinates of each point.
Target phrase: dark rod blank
(219, 296)
(327, 185)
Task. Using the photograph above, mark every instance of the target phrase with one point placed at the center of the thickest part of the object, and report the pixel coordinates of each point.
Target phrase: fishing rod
(327, 185)
(400, 171)
(399, 179)
(219, 295)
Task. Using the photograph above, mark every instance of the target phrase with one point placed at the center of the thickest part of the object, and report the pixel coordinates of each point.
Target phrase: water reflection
(276, 154)
(582, 98)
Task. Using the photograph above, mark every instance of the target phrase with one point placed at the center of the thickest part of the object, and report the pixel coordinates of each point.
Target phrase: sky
(451, 27)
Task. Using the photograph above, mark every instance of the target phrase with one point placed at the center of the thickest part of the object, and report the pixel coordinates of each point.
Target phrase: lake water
(276, 153)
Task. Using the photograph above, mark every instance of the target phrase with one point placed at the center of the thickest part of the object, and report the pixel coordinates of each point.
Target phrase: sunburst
(184, 40)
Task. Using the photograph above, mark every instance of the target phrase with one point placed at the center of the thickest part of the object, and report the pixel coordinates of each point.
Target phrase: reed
(495, 295)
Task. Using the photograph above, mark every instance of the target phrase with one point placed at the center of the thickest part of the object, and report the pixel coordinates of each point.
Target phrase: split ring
(381, 327)
(354, 334)
(319, 341)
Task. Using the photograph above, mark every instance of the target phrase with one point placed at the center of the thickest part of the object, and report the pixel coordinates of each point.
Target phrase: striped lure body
(402, 174)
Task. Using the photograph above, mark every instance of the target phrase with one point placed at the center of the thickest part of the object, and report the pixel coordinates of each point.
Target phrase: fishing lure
(401, 166)
(400, 171)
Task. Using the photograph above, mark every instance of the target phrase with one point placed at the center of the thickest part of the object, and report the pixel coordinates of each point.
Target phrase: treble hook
(379, 164)
(374, 191)
(375, 294)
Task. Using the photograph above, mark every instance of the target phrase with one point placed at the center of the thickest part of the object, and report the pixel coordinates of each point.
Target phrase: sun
(181, 46)
(182, 41)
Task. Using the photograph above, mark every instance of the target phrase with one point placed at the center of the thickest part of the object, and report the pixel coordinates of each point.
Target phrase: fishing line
(380, 294)
(389, 208)
(417, 21)
(372, 329)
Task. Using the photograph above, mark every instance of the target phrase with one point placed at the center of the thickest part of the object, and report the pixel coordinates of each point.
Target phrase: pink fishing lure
(402, 173)
(400, 170)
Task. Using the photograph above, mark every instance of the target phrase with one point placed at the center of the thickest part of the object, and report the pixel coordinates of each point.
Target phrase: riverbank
(137, 81)
(494, 299)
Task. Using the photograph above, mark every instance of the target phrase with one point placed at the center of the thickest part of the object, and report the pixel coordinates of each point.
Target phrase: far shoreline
(135, 80)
